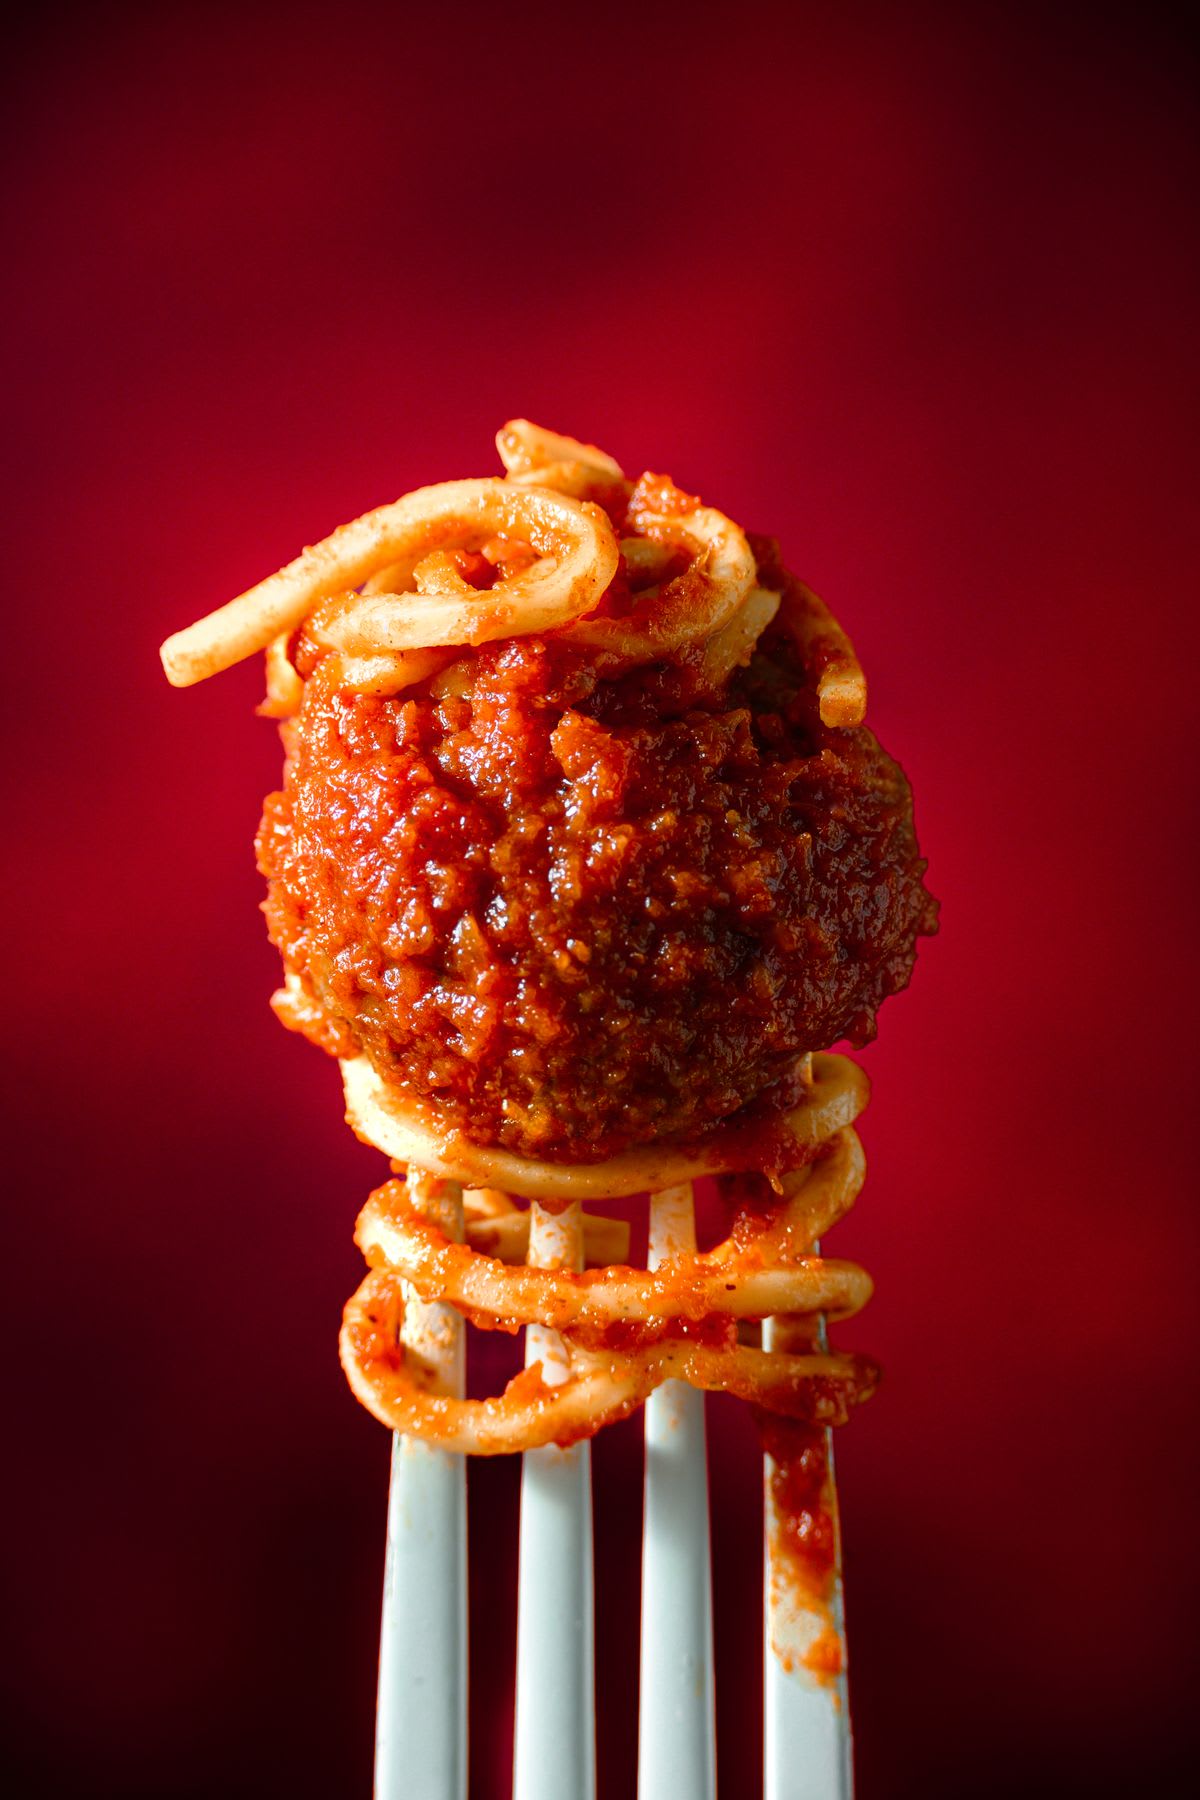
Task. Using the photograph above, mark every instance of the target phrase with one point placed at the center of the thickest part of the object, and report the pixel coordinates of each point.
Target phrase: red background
(914, 288)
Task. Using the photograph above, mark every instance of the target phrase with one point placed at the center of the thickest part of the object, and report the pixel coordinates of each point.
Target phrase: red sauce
(804, 1543)
(824, 1655)
(577, 914)
(800, 1489)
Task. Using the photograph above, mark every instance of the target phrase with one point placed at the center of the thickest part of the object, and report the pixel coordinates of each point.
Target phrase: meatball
(573, 915)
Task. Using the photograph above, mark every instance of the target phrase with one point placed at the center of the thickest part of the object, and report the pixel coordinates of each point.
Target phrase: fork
(421, 1727)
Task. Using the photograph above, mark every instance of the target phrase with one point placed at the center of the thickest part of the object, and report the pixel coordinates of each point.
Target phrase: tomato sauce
(577, 914)
(803, 1541)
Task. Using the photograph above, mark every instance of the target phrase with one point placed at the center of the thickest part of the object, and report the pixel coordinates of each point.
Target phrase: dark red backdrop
(918, 295)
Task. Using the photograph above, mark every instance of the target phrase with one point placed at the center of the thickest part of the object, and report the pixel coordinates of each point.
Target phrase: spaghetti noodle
(626, 1330)
(583, 856)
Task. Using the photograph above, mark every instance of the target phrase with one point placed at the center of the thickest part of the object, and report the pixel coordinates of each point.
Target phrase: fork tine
(421, 1723)
(554, 1751)
(806, 1720)
(676, 1735)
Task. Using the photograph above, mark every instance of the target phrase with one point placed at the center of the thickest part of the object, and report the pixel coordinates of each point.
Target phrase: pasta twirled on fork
(583, 861)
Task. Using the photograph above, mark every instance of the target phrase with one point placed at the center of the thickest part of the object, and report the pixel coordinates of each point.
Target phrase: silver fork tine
(554, 1751)
(676, 1734)
(421, 1723)
(806, 1719)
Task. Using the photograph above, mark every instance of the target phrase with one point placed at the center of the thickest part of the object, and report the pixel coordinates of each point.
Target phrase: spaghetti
(577, 777)
(626, 1330)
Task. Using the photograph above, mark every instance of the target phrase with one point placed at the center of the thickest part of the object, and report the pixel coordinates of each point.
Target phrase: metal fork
(421, 1730)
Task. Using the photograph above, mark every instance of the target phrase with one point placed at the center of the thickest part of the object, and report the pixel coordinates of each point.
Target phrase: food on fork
(583, 860)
